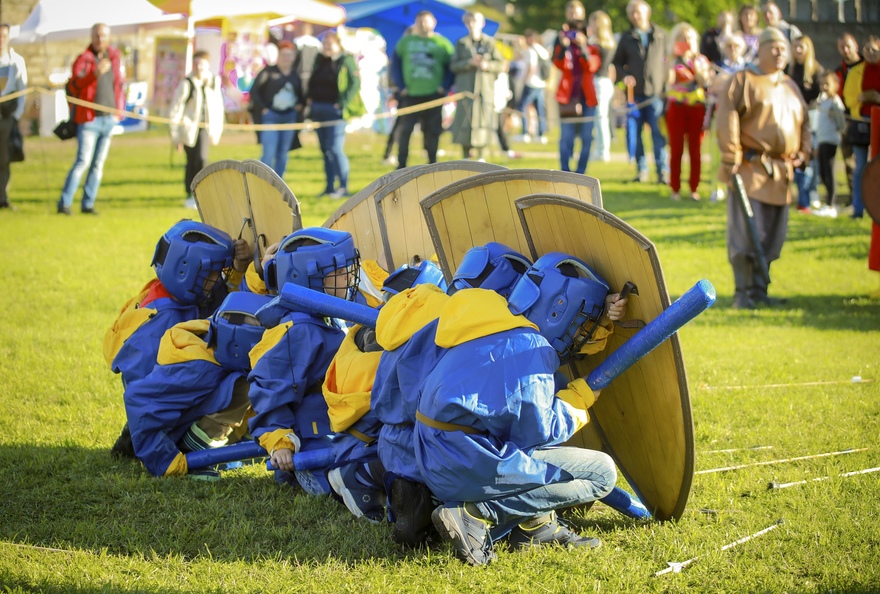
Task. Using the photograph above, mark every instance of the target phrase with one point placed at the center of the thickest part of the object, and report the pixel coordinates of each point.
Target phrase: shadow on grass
(82, 499)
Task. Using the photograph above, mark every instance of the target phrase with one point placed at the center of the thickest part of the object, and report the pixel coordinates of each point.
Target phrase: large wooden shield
(643, 417)
(871, 188)
(480, 209)
(358, 216)
(402, 226)
(246, 199)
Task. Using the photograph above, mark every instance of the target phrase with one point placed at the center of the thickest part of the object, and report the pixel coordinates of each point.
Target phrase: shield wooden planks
(358, 216)
(480, 209)
(643, 417)
(229, 192)
(402, 225)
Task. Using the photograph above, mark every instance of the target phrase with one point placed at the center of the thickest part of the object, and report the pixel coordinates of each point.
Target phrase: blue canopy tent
(391, 17)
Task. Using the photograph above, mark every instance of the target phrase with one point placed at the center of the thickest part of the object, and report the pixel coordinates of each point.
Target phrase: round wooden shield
(643, 418)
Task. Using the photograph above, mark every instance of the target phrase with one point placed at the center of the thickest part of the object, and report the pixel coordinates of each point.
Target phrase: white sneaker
(392, 160)
(543, 140)
(526, 138)
(675, 196)
(826, 211)
(190, 202)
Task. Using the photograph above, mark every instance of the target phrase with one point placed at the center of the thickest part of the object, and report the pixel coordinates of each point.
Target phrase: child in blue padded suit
(408, 357)
(356, 476)
(197, 393)
(194, 263)
(489, 414)
(291, 360)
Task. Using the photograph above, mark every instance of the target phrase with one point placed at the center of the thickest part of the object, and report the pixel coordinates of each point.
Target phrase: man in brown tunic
(763, 134)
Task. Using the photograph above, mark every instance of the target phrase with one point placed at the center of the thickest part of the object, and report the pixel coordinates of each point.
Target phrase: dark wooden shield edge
(511, 174)
(536, 199)
(413, 173)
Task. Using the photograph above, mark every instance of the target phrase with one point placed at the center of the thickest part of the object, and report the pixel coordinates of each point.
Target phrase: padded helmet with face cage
(564, 297)
(308, 256)
(235, 329)
(493, 266)
(406, 277)
(191, 260)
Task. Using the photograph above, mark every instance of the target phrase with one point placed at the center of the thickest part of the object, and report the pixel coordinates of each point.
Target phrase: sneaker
(717, 196)
(552, 531)
(339, 193)
(675, 196)
(390, 160)
(525, 138)
(662, 179)
(411, 505)
(7, 206)
(89, 211)
(361, 500)
(543, 140)
(123, 448)
(804, 209)
(826, 211)
(190, 202)
(204, 474)
(512, 154)
(64, 210)
(641, 177)
(468, 534)
(695, 196)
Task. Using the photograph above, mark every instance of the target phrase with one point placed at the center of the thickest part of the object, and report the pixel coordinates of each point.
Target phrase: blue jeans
(861, 154)
(332, 142)
(531, 95)
(566, 141)
(806, 183)
(590, 476)
(276, 143)
(650, 114)
(93, 140)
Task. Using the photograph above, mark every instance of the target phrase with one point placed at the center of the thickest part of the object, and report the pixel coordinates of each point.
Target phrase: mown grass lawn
(73, 519)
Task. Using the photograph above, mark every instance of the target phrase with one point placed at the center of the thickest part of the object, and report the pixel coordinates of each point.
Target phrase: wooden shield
(480, 209)
(358, 216)
(401, 224)
(643, 417)
(246, 199)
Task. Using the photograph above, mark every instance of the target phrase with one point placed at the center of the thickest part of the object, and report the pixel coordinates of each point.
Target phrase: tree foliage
(549, 14)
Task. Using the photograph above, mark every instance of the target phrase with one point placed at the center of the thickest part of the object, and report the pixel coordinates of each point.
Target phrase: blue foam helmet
(493, 266)
(235, 329)
(309, 256)
(191, 260)
(406, 277)
(564, 297)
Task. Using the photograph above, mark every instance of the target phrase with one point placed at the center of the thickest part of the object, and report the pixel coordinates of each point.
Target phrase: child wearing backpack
(197, 117)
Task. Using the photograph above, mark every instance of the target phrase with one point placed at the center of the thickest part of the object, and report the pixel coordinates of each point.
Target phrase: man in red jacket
(97, 78)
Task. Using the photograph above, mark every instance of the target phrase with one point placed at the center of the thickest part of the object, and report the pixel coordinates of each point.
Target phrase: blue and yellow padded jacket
(288, 364)
(489, 402)
(132, 342)
(405, 330)
(186, 384)
(348, 382)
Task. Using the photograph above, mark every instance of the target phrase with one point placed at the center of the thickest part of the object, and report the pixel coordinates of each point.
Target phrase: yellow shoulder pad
(348, 383)
(408, 312)
(474, 313)
(271, 337)
(130, 318)
(184, 342)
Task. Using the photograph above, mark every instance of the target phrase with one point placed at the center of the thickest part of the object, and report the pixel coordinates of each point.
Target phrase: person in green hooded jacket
(334, 96)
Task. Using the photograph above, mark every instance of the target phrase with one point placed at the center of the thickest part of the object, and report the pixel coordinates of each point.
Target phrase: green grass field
(73, 519)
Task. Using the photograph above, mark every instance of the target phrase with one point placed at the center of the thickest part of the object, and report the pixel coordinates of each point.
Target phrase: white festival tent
(59, 20)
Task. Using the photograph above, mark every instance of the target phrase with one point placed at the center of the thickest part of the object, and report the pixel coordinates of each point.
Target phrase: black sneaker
(361, 500)
(553, 531)
(89, 211)
(469, 535)
(123, 448)
(65, 210)
(411, 506)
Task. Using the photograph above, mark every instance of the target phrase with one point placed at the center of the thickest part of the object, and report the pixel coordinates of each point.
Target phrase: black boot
(411, 505)
(743, 278)
(123, 448)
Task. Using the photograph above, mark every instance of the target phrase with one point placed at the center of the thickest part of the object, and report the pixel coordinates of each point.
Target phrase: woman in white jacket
(197, 117)
(13, 78)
